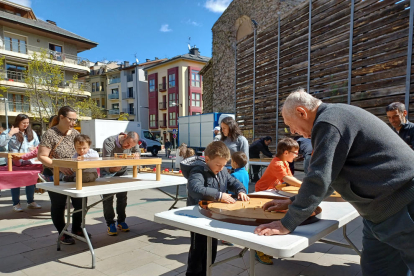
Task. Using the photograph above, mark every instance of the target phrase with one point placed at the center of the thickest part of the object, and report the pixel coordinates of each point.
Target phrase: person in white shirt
(82, 146)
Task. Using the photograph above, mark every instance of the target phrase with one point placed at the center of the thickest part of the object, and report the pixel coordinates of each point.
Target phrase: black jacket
(203, 184)
(407, 133)
(259, 146)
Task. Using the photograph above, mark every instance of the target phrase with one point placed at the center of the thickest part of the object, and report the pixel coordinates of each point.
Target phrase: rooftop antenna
(136, 59)
(189, 43)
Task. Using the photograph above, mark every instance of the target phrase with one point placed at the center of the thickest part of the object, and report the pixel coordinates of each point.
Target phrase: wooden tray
(286, 190)
(148, 170)
(246, 213)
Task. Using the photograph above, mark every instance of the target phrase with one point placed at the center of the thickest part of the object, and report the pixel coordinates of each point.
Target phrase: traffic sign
(174, 130)
(174, 135)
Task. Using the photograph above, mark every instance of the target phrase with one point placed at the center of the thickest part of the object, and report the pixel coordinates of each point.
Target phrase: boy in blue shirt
(238, 163)
(208, 181)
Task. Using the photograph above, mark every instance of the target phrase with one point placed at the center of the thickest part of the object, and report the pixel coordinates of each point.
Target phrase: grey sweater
(240, 144)
(360, 157)
(110, 147)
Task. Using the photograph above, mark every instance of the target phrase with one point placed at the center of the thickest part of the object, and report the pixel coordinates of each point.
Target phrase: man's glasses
(72, 120)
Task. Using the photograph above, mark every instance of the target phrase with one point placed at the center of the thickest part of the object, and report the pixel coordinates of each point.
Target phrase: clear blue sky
(123, 28)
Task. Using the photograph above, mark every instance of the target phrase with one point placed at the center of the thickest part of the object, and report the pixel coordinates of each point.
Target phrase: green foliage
(48, 90)
(3, 89)
(123, 117)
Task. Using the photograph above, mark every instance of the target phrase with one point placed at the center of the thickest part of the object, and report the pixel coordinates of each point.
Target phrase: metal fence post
(277, 78)
(254, 74)
(235, 78)
(351, 39)
(409, 58)
(309, 44)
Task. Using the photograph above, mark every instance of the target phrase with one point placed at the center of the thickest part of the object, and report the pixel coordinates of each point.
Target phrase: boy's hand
(226, 198)
(243, 197)
(80, 158)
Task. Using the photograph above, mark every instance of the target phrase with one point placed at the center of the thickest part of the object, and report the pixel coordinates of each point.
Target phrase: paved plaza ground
(28, 244)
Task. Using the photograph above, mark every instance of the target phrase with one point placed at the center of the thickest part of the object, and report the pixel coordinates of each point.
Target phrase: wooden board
(9, 155)
(245, 213)
(149, 170)
(292, 191)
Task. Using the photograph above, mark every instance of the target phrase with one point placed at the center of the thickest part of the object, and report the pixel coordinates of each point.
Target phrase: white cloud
(192, 22)
(218, 6)
(165, 28)
(26, 3)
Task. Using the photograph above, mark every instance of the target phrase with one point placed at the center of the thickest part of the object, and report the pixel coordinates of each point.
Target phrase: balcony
(13, 76)
(129, 78)
(130, 111)
(162, 106)
(162, 87)
(23, 48)
(113, 96)
(114, 80)
(113, 111)
(127, 95)
(18, 107)
(163, 124)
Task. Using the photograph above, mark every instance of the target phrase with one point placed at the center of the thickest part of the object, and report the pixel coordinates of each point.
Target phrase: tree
(123, 117)
(48, 90)
(3, 89)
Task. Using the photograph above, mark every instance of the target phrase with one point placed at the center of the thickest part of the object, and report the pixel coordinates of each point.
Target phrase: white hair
(300, 98)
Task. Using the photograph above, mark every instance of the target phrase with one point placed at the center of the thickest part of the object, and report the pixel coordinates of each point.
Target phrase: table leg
(134, 171)
(252, 261)
(67, 222)
(78, 179)
(56, 176)
(158, 176)
(85, 233)
(10, 165)
(209, 255)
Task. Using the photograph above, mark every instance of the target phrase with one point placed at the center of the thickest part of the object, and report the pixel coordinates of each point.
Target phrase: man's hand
(270, 229)
(66, 171)
(243, 197)
(226, 198)
(277, 204)
(114, 169)
(13, 131)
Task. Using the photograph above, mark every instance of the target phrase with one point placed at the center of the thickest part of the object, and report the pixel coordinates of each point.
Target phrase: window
(151, 85)
(131, 109)
(148, 135)
(115, 106)
(93, 87)
(130, 92)
(103, 102)
(171, 80)
(195, 99)
(173, 120)
(115, 91)
(15, 43)
(172, 101)
(97, 103)
(153, 123)
(15, 72)
(195, 113)
(97, 87)
(195, 78)
(55, 51)
(102, 86)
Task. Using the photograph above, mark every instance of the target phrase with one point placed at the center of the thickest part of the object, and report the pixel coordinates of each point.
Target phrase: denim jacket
(11, 144)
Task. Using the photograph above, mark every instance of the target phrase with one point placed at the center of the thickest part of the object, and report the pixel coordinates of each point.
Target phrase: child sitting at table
(82, 146)
(238, 163)
(276, 173)
(208, 181)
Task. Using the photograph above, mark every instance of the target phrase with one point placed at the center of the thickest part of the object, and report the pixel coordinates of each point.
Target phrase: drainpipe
(254, 71)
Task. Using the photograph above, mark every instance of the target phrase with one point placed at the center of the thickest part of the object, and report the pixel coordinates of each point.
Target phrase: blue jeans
(388, 247)
(15, 193)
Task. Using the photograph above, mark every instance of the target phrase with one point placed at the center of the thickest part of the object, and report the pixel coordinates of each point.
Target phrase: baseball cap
(216, 128)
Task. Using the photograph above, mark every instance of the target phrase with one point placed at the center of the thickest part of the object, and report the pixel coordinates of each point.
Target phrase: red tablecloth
(19, 177)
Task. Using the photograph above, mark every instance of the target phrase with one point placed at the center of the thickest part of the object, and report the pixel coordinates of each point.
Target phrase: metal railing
(13, 76)
(162, 87)
(23, 48)
(113, 96)
(130, 111)
(127, 95)
(18, 107)
(162, 105)
(129, 78)
(114, 80)
(163, 123)
(113, 111)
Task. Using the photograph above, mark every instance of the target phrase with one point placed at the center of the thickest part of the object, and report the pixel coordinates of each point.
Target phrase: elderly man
(396, 114)
(359, 156)
(120, 143)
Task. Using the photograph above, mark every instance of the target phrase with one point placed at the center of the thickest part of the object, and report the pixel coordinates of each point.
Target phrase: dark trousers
(388, 247)
(197, 257)
(256, 170)
(57, 211)
(108, 207)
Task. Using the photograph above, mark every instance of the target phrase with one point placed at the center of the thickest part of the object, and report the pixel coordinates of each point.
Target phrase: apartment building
(22, 34)
(175, 88)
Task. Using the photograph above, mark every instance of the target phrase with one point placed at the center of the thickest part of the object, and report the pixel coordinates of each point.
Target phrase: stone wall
(231, 25)
(207, 74)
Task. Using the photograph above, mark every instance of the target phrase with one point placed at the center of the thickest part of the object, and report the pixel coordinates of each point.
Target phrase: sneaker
(65, 239)
(263, 258)
(17, 208)
(226, 243)
(34, 205)
(41, 177)
(80, 233)
(123, 227)
(112, 230)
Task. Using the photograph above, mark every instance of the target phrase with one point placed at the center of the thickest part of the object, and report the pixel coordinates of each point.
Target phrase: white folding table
(110, 185)
(334, 215)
